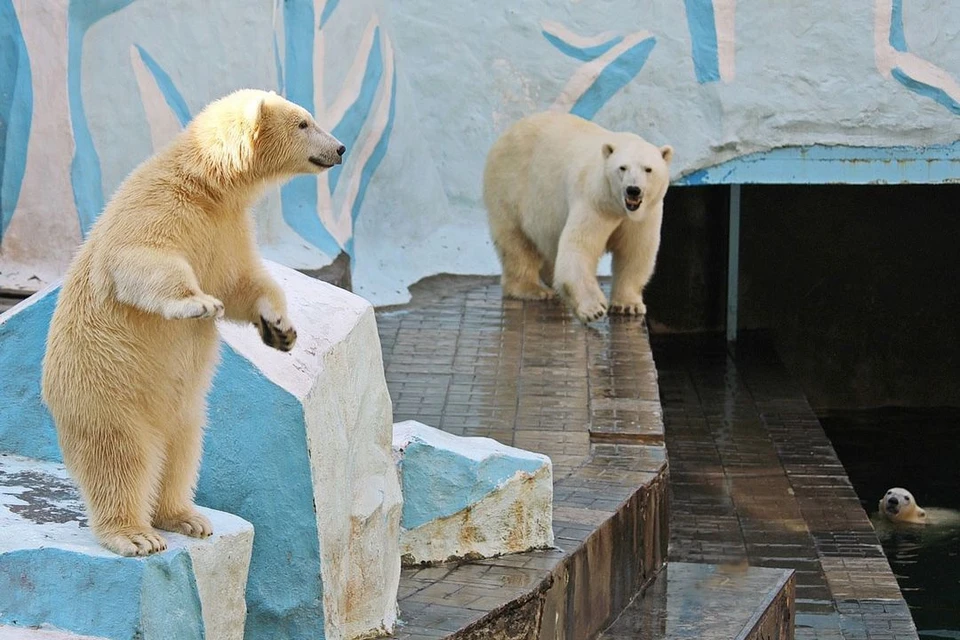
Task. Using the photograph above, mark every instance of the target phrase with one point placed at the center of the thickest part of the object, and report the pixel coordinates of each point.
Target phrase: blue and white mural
(418, 90)
(713, 38)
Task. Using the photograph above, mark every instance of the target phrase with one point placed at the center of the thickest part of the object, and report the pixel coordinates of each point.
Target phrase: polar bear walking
(133, 342)
(560, 192)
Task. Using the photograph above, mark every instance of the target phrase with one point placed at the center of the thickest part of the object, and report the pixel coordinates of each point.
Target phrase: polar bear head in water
(898, 505)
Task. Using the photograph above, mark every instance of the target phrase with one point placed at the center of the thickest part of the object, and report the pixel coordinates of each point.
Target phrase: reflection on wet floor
(698, 601)
(754, 477)
(462, 359)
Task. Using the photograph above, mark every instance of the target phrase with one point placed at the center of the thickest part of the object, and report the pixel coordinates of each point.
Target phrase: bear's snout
(341, 150)
(633, 197)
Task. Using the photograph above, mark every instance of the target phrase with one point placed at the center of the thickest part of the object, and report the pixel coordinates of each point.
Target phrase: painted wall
(819, 91)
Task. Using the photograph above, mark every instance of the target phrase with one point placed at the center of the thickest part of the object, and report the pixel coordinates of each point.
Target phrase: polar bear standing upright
(560, 192)
(133, 342)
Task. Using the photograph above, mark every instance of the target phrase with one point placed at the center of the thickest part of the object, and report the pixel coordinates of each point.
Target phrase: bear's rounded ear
(922, 514)
(667, 152)
(607, 150)
(256, 110)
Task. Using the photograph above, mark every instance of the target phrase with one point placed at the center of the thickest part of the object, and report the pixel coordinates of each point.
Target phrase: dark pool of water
(920, 451)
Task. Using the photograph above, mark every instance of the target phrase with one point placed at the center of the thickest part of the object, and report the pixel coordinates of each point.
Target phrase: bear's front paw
(627, 308)
(195, 307)
(275, 328)
(590, 311)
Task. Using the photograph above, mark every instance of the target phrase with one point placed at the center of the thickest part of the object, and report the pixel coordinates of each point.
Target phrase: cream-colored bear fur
(560, 192)
(899, 505)
(133, 342)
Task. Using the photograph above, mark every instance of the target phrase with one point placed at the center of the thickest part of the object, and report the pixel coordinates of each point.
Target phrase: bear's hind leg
(175, 509)
(117, 468)
(521, 263)
(546, 273)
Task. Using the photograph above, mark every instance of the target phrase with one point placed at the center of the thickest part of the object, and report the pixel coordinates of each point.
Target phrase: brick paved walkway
(754, 477)
(462, 359)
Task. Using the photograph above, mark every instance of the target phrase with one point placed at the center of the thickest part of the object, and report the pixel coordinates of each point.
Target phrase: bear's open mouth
(320, 163)
(632, 204)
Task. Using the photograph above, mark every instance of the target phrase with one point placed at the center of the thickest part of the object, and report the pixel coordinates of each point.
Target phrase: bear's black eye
(623, 168)
(303, 124)
(647, 169)
(906, 499)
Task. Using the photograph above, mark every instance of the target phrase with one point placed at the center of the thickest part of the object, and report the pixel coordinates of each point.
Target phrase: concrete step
(711, 602)
(54, 574)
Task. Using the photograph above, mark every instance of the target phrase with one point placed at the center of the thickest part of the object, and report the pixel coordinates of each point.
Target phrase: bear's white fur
(560, 192)
(899, 505)
(900, 520)
(133, 342)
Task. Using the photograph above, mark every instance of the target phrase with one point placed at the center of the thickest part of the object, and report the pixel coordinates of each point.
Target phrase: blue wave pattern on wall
(928, 91)
(614, 77)
(898, 40)
(85, 168)
(702, 24)
(328, 10)
(298, 197)
(16, 111)
(170, 93)
(586, 54)
(348, 129)
(376, 157)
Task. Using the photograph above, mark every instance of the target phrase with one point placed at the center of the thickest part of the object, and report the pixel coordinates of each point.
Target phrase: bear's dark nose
(633, 192)
(340, 150)
(893, 502)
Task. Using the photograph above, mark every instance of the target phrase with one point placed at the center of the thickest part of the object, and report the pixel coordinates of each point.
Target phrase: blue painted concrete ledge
(278, 423)
(821, 164)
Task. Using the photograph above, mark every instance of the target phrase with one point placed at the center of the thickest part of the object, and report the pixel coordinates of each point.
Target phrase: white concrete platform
(54, 572)
(469, 497)
(298, 444)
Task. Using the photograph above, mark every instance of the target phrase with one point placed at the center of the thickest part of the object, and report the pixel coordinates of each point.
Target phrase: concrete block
(298, 444)
(470, 497)
(53, 571)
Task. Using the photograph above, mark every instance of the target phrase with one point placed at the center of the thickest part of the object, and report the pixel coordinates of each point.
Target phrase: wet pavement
(754, 478)
(462, 359)
(711, 602)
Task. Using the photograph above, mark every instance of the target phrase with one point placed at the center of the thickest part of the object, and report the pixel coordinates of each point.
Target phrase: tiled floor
(710, 602)
(462, 359)
(754, 477)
